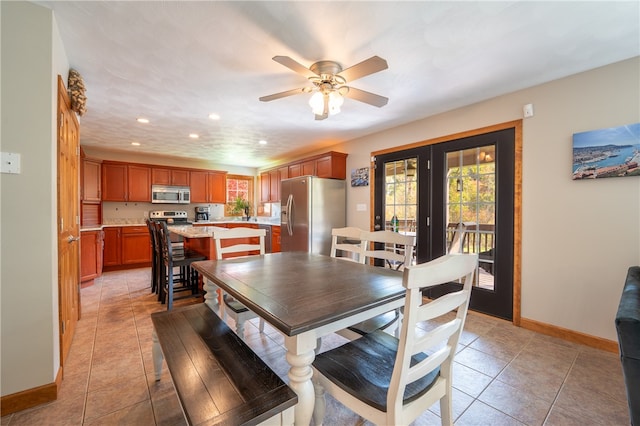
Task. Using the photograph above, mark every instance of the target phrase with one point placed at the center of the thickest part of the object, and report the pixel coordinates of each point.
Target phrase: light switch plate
(527, 110)
(9, 162)
(361, 207)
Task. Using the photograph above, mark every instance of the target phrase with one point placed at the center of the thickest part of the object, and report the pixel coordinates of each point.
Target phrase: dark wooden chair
(186, 280)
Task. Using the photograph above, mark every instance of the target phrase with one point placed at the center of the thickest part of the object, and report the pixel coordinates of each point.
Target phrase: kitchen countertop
(189, 231)
(141, 222)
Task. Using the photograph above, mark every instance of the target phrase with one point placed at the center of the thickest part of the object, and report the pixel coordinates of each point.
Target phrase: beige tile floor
(503, 375)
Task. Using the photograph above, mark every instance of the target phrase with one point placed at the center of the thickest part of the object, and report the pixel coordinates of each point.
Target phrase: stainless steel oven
(172, 217)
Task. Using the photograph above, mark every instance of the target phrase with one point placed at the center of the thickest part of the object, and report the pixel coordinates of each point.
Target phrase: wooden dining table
(305, 296)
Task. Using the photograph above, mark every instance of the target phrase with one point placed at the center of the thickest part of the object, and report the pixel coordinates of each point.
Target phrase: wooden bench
(218, 378)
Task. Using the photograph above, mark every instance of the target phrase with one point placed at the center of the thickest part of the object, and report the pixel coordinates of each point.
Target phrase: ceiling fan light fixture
(317, 102)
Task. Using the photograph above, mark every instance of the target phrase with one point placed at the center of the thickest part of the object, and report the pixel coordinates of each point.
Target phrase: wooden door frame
(517, 195)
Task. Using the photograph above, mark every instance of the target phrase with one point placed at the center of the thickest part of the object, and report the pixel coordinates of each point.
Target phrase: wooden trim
(517, 225)
(570, 335)
(31, 397)
(517, 195)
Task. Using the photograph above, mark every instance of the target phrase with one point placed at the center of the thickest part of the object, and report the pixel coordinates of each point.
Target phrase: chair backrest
(457, 242)
(163, 240)
(245, 235)
(397, 249)
(439, 271)
(348, 241)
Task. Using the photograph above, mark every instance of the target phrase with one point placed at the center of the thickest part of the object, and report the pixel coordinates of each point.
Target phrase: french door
(456, 197)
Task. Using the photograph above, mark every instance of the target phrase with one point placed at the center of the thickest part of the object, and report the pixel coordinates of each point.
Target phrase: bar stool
(187, 278)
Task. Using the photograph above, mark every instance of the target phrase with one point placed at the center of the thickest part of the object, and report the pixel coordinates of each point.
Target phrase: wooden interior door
(68, 221)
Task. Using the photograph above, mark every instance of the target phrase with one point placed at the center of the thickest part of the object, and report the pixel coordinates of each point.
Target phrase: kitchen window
(238, 186)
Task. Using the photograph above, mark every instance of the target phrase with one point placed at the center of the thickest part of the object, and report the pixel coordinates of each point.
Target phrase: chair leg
(170, 291)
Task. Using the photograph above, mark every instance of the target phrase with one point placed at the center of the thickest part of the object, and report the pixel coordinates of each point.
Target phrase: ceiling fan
(330, 84)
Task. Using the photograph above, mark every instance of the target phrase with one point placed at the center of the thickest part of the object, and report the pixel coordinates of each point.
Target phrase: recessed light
(262, 142)
(135, 143)
(194, 135)
(143, 120)
(214, 116)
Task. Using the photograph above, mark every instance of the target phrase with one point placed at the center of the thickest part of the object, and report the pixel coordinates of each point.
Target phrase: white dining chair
(391, 381)
(230, 306)
(396, 251)
(346, 244)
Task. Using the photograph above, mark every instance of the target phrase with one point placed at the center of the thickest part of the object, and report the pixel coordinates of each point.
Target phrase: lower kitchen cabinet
(275, 239)
(112, 247)
(126, 247)
(91, 244)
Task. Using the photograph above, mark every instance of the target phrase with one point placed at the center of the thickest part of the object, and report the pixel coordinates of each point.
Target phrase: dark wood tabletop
(297, 291)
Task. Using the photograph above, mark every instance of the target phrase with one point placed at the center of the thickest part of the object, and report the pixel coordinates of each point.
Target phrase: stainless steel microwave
(161, 194)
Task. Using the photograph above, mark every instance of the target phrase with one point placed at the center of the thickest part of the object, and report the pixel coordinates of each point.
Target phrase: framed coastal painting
(612, 152)
(360, 177)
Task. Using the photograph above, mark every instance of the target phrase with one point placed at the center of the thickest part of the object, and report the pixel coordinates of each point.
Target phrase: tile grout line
(93, 348)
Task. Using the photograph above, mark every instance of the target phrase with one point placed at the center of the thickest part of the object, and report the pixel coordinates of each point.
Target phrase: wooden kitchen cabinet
(333, 165)
(139, 183)
(91, 181)
(265, 187)
(126, 246)
(126, 182)
(114, 182)
(91, 246)
(217, 187)
(275, 239)
(308, 168)
(112, 255)
(136, 245)
(165, 176)
(208, 187)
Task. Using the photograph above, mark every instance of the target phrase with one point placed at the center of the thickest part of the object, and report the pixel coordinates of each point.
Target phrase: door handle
(71, 239)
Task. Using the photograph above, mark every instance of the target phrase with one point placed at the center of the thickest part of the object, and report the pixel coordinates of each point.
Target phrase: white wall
(578, 237)
(32, 55)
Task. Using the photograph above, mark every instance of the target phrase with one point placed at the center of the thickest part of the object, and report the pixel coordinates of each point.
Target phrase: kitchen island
(199, 238)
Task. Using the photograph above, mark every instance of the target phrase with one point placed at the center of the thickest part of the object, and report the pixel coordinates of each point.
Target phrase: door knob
(72, 239)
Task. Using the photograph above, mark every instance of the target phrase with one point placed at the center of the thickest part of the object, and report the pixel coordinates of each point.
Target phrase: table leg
(211, 298)
(300, 358)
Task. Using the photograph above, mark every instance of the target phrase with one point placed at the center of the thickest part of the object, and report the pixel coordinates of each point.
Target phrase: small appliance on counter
(203, 214)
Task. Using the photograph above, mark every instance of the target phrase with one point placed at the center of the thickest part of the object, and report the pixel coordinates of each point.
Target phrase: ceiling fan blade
(369, 66)
(283, 94)
(366, 97)
(295, 66)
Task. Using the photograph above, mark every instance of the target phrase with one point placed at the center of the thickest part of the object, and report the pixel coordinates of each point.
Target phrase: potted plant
(240, 205)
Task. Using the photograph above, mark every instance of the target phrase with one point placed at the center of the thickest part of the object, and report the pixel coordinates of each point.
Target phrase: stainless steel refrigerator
(310, 208)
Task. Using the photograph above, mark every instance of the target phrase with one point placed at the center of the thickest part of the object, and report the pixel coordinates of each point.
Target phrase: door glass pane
(401, 196)
(471, 199)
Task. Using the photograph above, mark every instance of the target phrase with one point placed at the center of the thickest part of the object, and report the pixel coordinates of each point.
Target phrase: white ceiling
(176, 62)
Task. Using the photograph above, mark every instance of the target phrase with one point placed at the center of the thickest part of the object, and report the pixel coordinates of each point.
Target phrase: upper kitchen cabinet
(332, 165)
(139, 183)
(126, 182)
(165, 176)
(270, 184)
(91, 177)
(114, 182)
(208, 187)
